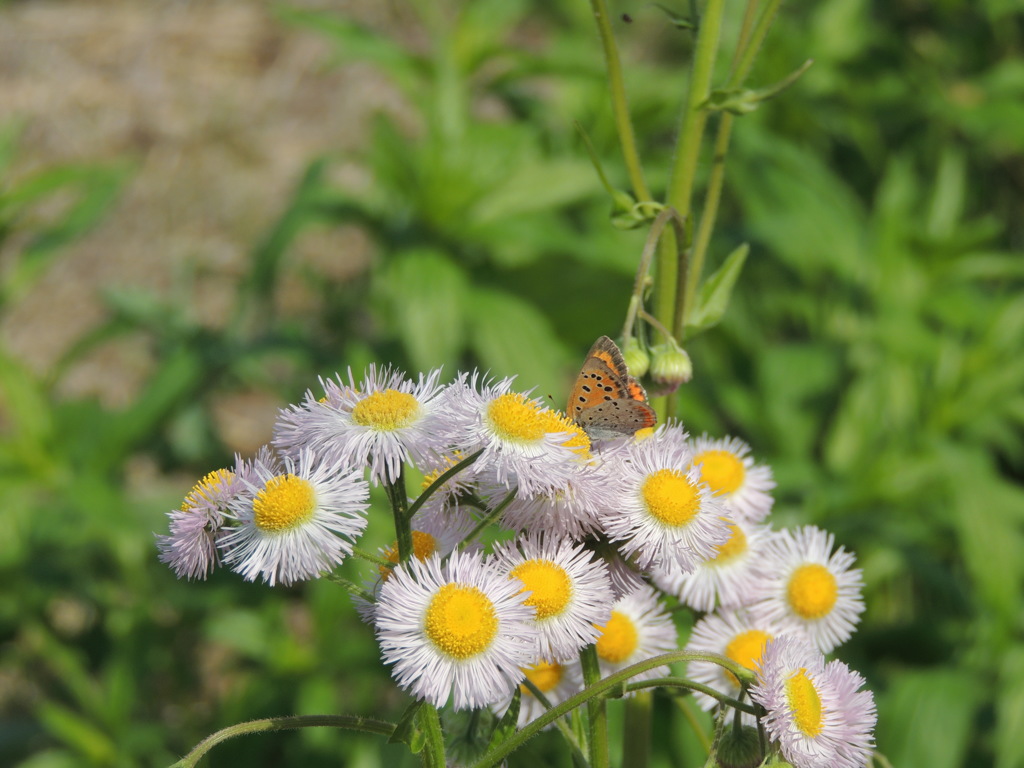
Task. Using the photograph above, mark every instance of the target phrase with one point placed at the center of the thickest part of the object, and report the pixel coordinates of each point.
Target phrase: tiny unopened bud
(740, 749)
(670, 365)
(636, 357)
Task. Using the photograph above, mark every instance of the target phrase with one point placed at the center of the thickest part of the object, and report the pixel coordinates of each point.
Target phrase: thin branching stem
(620, 106)
(348, 722)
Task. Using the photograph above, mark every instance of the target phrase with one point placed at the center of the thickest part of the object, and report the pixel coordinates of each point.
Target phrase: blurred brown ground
(218, 107)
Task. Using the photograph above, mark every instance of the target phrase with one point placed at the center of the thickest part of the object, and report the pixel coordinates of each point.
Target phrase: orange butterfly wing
(605, 400)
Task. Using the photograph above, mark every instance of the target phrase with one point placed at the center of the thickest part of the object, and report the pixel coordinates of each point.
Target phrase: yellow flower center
(515, 418)
(721, 470)
(549, 584)
(618, 639)
(461, 621)
(812, 591)
(670, 497)
(423, 546)
(746, 649)
(450, 461)
(733, 548)
(211, 484)
(579, 441)
(804, 703)
(546, 676)
(285, 502)
(386, 411)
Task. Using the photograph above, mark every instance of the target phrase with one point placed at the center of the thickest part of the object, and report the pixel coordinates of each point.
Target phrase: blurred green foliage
(873, 354)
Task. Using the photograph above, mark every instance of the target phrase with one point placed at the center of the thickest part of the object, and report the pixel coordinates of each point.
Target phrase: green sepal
(678, 21)
(407, 731)
(741, 101)
(716, 292)
(629, 214)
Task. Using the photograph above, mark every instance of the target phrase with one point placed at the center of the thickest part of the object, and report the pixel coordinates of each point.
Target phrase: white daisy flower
(731, 578)
(302, 426)
(731, 474)
(809, 588)
(557, 681)
(382, 422)
(567, 586)
(658, 509)
(570, 512)
(296, 520)
(190, 549)
(638, 629)
(458, 631)
(738, 635)
(524, 443)
(816, 712)
(432, 533)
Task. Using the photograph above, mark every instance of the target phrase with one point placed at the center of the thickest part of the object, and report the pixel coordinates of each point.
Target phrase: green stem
(563, 727)
(489, 518)
(597, 710)
(362, 554)
(639, 283)
(349, 722)
(613, 681)
(636, 731)
(712, 761)
(440, 481)
(689, 686)
(433, 747)
(745, 59)
(620, 107)
(399, 502)
(746, 48)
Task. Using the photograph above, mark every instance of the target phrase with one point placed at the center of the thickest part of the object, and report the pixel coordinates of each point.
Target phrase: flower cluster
(600, 537)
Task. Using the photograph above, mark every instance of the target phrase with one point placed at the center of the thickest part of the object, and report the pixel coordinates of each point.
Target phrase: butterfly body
(606, 401)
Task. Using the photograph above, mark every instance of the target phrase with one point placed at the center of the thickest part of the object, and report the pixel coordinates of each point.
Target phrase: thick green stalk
(636, 731)
(688, 143)
(433, 747)
(620, 107)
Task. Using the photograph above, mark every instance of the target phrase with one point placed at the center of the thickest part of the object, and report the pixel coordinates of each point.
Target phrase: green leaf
(716, 291)
(537, 186)
(940, 706)
(1009, 705)
(948, 192)
(77, 732)
(512, 337)
(358, 42)
(424, 293)
(27, 410)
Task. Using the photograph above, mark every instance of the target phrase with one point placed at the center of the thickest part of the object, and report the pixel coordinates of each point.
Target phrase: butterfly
(605, 400)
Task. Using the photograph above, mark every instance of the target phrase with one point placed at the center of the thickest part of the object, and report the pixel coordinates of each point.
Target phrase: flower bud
(670, 365)
(740, 749)
(636, 357)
